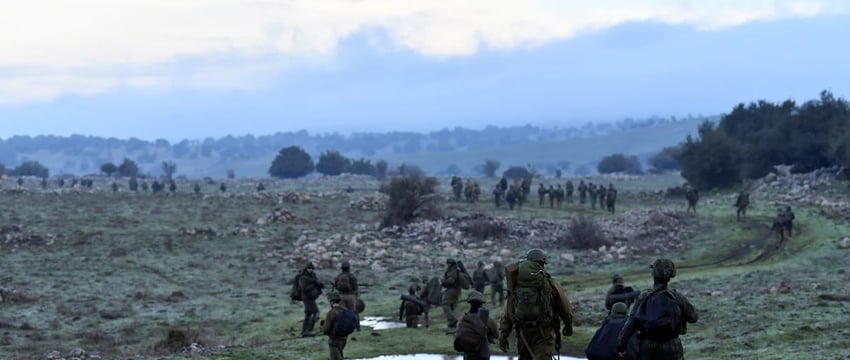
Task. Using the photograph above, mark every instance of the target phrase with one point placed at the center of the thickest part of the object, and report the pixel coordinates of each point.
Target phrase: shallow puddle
(446, 357)
(380, 323)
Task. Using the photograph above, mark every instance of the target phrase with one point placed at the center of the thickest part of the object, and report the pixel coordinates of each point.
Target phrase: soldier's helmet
(345, 265)
(619, 310)
(617, 279)
(497, 263)
(334, 297)
(663, 269)
(475, 296)
(536, 255)
(451, 261)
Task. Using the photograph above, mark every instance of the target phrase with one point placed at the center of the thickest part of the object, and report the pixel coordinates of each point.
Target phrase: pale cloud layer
(85, 47)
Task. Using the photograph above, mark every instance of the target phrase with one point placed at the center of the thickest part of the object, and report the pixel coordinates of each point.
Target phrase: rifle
(557, 338)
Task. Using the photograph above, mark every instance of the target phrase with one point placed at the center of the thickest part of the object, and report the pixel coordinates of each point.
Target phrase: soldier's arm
(492, 331)
(506, 323)
(401, 311)
(631, 326)
(328, 324)
(353, 282)
(689, 312)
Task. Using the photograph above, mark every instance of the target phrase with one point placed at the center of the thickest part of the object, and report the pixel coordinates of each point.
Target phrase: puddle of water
(380, 323)
(447, 357)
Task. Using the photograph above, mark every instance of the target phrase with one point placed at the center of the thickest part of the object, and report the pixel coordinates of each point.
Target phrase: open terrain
(142, 275)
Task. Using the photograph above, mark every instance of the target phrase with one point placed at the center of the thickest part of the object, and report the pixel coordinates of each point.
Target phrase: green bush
(410, 197)
(332, 163)
(619, 163)
(291, 162)
(31, 168)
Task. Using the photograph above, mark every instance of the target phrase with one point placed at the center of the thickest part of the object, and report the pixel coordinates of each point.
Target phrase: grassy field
(117, 272)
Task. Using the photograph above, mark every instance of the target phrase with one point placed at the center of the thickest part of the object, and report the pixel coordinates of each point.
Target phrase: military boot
(307, 329)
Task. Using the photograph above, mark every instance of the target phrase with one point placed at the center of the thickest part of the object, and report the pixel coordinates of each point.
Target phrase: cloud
(85, 47)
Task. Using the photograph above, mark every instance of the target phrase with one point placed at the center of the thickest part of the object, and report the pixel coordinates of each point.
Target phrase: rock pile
(14, 235)
(369, 203)
(277, 215)
(76, 354)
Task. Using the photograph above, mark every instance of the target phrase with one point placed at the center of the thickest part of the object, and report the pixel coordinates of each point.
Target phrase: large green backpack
(295, 290)
(533, 294)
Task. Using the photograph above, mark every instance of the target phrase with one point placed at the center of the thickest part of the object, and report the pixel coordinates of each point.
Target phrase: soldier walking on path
(582, 192)
(479, 278)
(310, 288)
(659, 316)
(611, 199)
(496, 276)
(692, 195)
(346, 285)
(451, 291)
(741, 203)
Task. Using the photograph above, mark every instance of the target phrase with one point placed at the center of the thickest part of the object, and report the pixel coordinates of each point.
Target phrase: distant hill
(457, 151)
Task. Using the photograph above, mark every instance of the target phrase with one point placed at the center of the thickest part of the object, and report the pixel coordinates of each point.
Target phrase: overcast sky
(197, 68)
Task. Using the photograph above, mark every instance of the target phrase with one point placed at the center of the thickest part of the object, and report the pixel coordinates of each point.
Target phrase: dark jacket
(603, 345)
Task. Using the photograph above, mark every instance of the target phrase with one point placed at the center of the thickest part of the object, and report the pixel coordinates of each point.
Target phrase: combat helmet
(334, 297)
(663, 269)
(619, 310)
(475, 296)
(536, 255)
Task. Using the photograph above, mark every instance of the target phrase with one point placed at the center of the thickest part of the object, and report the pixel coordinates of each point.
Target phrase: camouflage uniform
(347, 294)
(496, 277)
(336, 344)
(541, 193)
(692, 195)
(591, 189)
(197, 188)
(559, 196)
(611, 199)
(662, 271)
(600, 191)
(569, 188)
(410, 311)
(513, 196)
(552, 196)
(788, 222)
(497, 195)
(451, 291)
(582, 192)
(479, 278)
(617, 288)
(526, 188)
(537, 340)
(741, 203)
(311, 288)
(476, 306)
(457, 187)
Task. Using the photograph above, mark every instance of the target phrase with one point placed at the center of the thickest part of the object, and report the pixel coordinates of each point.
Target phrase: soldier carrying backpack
(476, 330)
(659, 316)
(338, 324)
(346, 285)
(536, 307)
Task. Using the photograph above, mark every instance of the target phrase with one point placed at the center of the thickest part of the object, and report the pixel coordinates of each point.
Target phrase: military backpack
(344, 283)
(660, 316)
(532, 296)
(434, 295)
(464, 280)
(295, 290)
(471, 333)
(345, 323)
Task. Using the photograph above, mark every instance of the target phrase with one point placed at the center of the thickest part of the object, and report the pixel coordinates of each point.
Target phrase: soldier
(172, 186)
(692, 195)
(497, 195)
(346, 285)
(457, 187)
(133, 184)
(20, 182)
(496, 277)
(559, 196)
(503, 184)
(644, 317)
(619, 293)
(310, 288)
(431, 294)
(601, 193)
(338, 323)
(541, 193)
(44, 183)
(223, 188)
(552, 196)
(512, 196)
(779, 227)
(582, 192)
(741, 203)
(526, 189)
(476, 301)
(479, 278)
(145, 186)
(410, 310)
(534, 310)
(611, 199)
(261, 187)
(60, 182)
(788, 222)
(451, 291)
(114, 187)
(569, 188)
(196, 188)
(603, 345)
(591, 189)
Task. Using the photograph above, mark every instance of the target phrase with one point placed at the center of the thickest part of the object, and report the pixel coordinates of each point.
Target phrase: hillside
(546, 149)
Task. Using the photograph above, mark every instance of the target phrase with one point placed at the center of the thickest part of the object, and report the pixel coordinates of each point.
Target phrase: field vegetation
(206, 276)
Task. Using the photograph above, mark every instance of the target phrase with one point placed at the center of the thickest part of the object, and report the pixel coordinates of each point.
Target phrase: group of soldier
(133, 185)
(516, 195)
(624, 334)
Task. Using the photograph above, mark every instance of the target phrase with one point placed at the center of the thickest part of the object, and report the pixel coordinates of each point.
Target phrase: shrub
(583, 233)
(666, 159)
(109, 168)
(381, 169)
(411, 196)
(291, 162)
(619, 163)
(362, 167)
(128, 168)
(490, 167)
(31, 168)
(483, 229)
(517, 172)
(169, 168)
(332, 163)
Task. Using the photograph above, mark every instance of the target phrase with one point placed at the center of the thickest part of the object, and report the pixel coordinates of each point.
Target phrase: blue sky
(152, 69)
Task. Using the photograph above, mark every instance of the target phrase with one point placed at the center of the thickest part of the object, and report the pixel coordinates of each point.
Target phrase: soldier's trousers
(412, 321)
(535, 340)
(494, 289)
(669, 350)
(449, 310)
(349, 301)
(336, 345)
